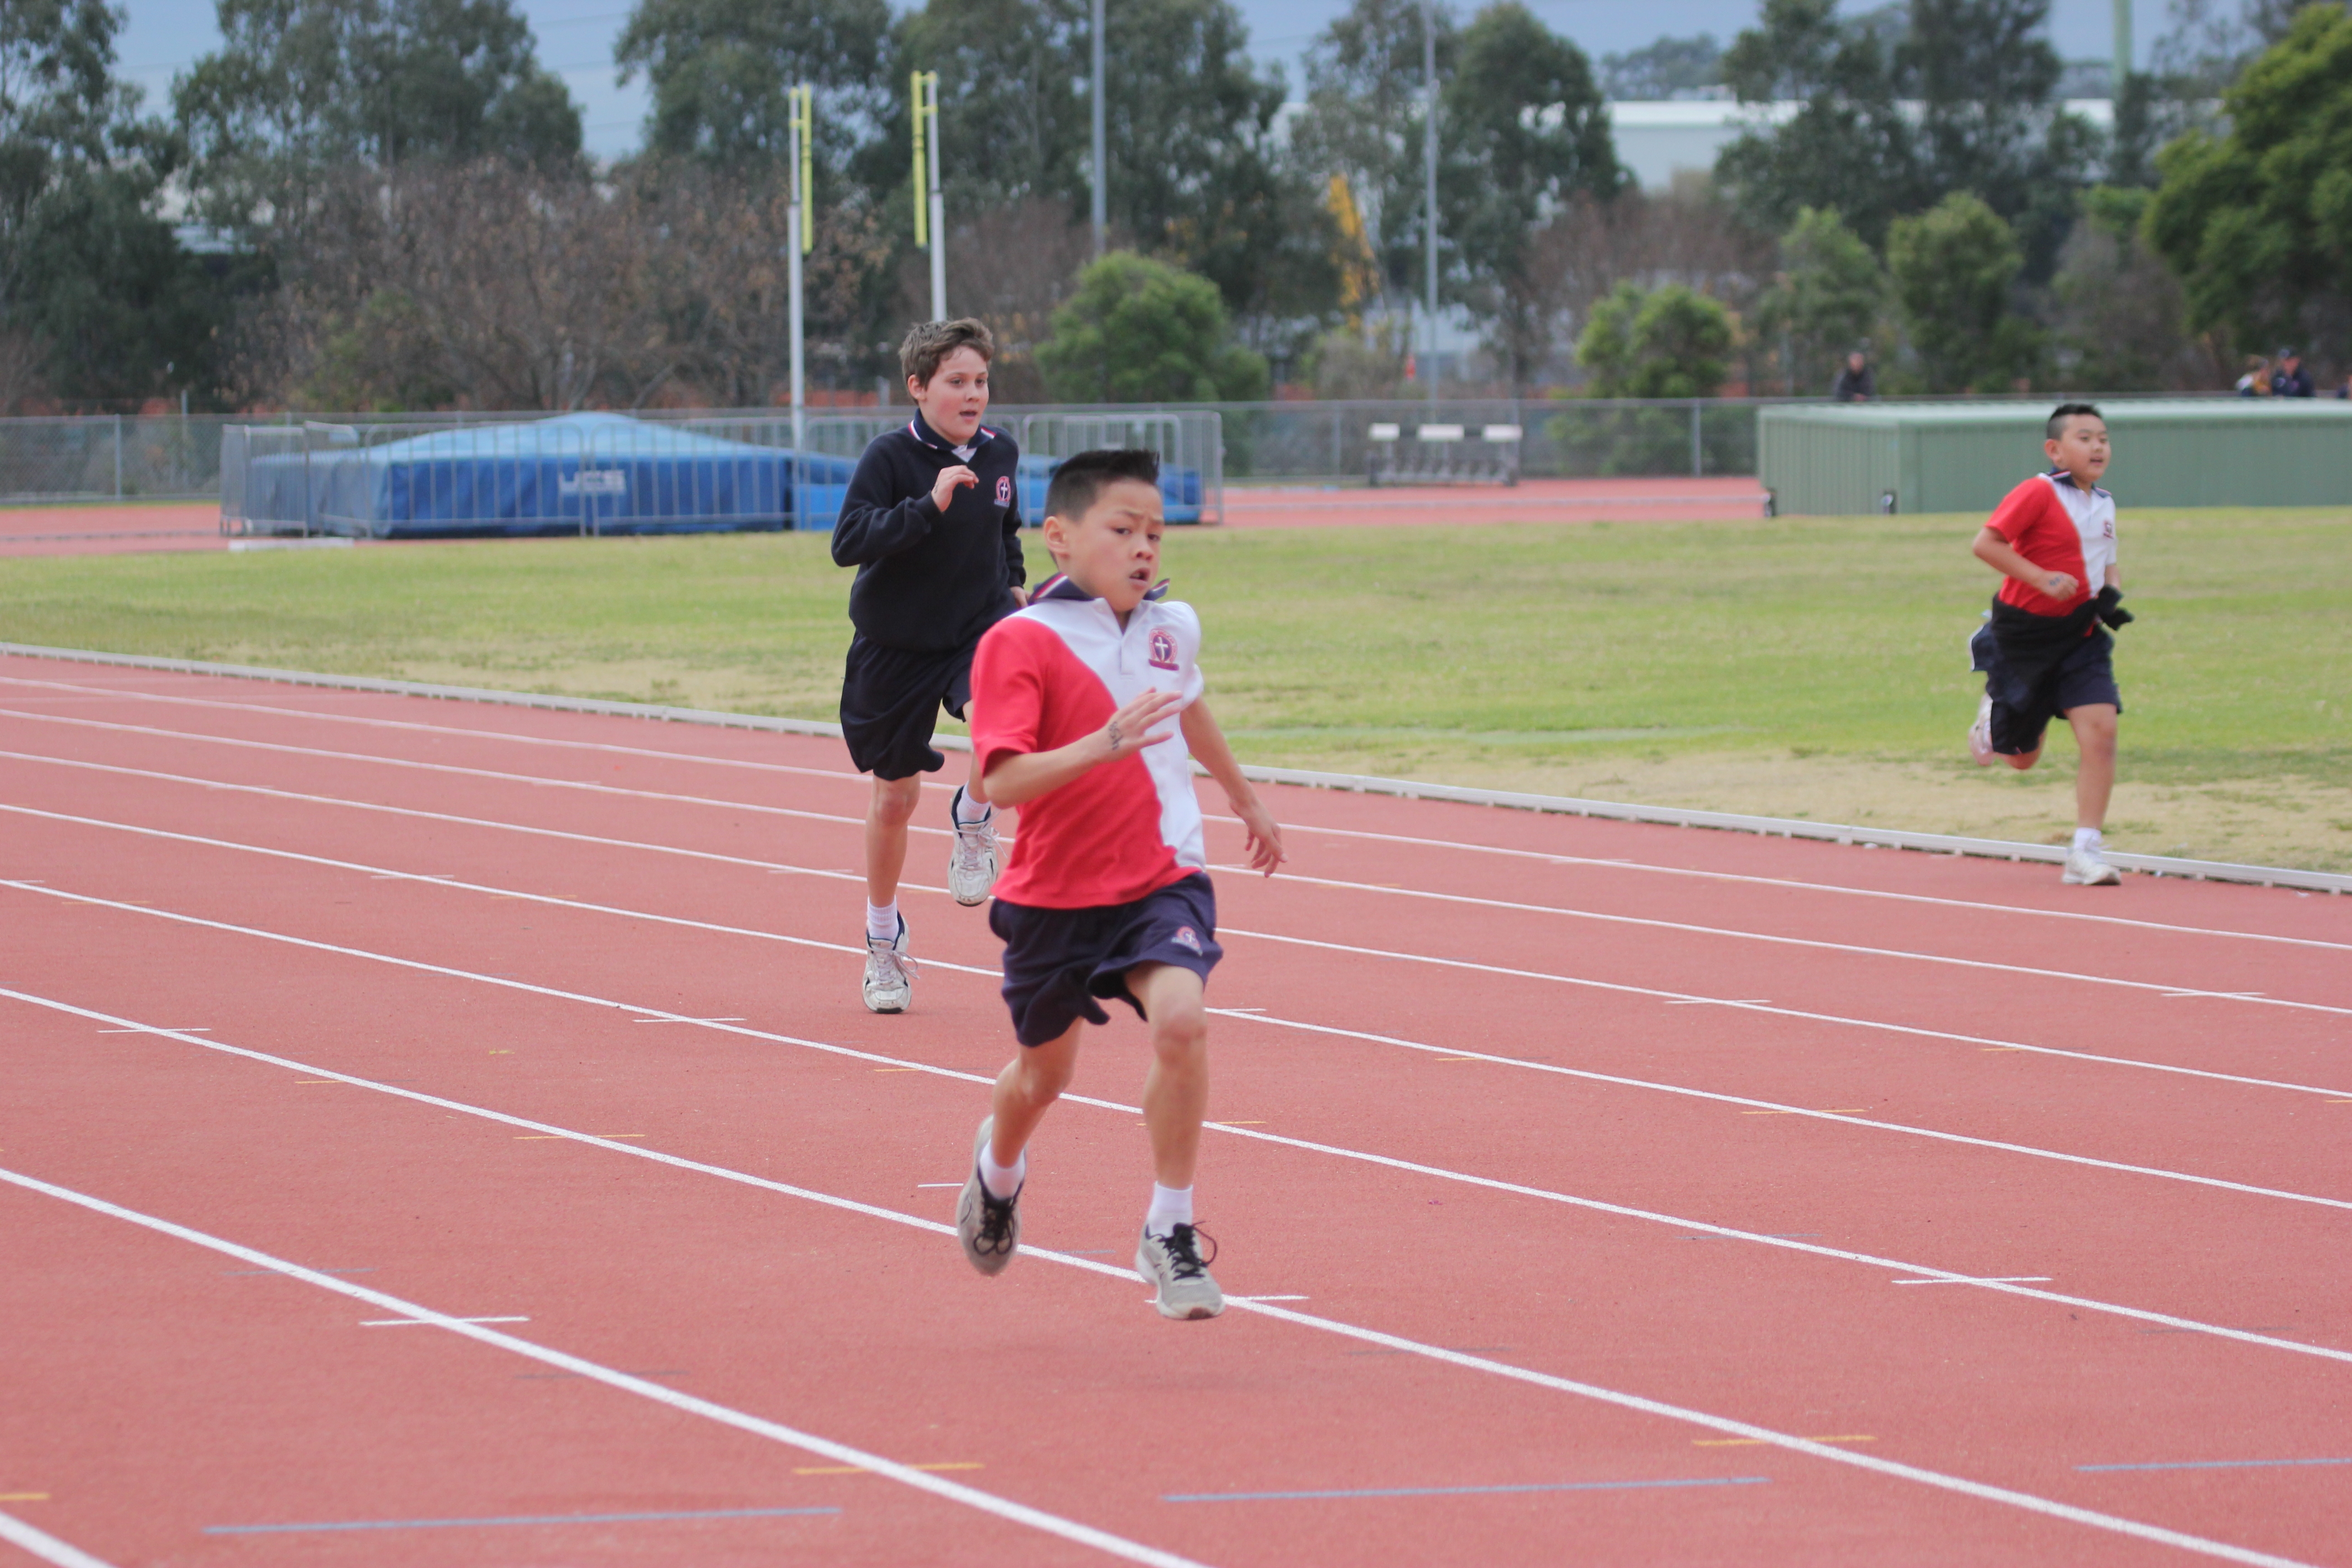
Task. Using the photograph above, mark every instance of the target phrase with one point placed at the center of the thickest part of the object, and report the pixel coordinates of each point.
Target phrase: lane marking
(862, 1471)
(23, 1497)
(1299, 877)
(177, 1028)
(427, 1322)
(1269, 1297)
(993, 975)
(676, 1399)
(543, 1137)
(1463, 1492)
(512, 1519)
(2161, 988)
(1459, 845)
(842, 1453)
(938, 1184)
(2214, 1465)
(667, 1020)
(45, 1546)
(1745, 1442)
(1985, 1279)
(1786, 1241)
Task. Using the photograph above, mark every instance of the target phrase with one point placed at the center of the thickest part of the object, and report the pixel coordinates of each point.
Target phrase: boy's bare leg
(1030, 1083)
(887, 815)
(2024, 760)
(1176, 1090)
(975, 788)
(2094, 778)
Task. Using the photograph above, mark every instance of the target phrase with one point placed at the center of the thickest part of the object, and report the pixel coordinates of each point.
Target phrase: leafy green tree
(1954, 268)
(1140, 331)
(2121, 321)
(93, 283)
(1668, 342)
(1849, 145)
(301, 87)
(719, 72)
(1826, 300)
(1523, 127)
(2258, 222)
(1667, 69)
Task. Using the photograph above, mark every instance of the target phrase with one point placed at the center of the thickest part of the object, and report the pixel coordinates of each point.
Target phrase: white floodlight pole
(2123, 42)
(800, 217)
(930, 207)
(1429, 172)
(1102, 166)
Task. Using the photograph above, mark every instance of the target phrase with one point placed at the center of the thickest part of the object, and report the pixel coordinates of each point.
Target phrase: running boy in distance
(1086, 715)
(2042, 651)
(932, 522)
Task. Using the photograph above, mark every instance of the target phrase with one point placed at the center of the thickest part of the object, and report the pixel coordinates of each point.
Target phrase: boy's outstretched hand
(1131, 728)
(1265, 835)
(951, 481)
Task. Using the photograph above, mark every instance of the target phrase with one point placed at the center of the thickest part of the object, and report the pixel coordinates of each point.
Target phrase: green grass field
(1792, 667)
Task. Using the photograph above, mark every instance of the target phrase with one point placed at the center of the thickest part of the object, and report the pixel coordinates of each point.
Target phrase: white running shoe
(889, 973)
(2089, 869)
(1981, 750)
(1173, 1265)
(971, 864)
(988, 1226)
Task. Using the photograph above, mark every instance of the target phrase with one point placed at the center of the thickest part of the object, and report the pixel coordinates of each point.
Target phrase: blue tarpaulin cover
(592, 473)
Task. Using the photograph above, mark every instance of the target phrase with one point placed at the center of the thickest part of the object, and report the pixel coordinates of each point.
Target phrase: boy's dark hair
(2057, 428)
(1081, 480)
(929, 343)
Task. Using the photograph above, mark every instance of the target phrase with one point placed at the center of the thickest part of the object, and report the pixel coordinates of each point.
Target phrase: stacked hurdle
(1443, 455)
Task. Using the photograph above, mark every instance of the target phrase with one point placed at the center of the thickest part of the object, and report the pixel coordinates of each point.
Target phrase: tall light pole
(799, 219)
(930, 211)
(1095, 95)
(2123, 15)
(1429, 173)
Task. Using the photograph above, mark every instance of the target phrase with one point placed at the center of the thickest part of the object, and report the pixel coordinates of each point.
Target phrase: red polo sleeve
(1008, 691)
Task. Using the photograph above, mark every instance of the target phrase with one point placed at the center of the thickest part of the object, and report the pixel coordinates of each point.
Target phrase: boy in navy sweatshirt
(932, 522)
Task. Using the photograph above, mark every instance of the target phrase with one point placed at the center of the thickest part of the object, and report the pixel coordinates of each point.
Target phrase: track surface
(1612, 1193)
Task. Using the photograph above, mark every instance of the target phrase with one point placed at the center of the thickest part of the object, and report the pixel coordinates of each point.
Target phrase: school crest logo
(1184, 938)
(1004, 490)
(1163, 650)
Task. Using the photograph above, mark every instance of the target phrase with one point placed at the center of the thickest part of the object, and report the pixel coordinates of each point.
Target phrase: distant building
(1656, 140)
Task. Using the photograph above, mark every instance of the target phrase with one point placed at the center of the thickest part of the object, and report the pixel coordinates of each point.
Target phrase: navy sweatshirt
(929, 581)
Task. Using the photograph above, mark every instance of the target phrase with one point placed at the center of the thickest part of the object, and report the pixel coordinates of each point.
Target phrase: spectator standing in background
(2256, 382)
(2291, 380)
(1854, 383)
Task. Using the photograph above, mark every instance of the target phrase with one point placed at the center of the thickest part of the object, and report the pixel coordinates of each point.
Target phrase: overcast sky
(575, 39)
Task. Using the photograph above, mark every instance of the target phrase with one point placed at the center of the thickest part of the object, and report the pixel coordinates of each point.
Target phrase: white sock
(882, 922)
(1002, 1181)
(1170, 1206)
(966, 812)
(2086, 838)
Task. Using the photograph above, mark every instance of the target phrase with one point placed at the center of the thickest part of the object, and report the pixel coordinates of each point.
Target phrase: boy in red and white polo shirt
(1086, 715)
(2042, 651)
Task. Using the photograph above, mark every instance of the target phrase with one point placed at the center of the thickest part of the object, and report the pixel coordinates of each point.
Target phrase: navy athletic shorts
(890, 701)
(2021, 710)
(1057, 961)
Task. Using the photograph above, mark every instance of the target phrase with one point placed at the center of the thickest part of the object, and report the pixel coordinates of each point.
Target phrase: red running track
(1606, 1192)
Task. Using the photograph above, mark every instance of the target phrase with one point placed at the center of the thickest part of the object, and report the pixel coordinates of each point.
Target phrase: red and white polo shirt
(1054, 673)
(2060, 527)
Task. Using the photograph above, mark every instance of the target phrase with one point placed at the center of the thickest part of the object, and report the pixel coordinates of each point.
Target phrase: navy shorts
(890, 700)
(2022, 710)
(1058, 961)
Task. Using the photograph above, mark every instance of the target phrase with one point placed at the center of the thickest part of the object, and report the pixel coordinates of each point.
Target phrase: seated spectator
(2256, 382)
(2344, 391)
(2291, 380)
(1854, 383)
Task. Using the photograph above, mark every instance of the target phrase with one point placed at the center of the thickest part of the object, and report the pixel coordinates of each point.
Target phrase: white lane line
(839, 774)
(174, 1030)
(759, 1426)
(413, 1322)
(1117, 1546)
(1790, 1242)
(1797, 884)
(2164, 988)
(1988, 1279)
(1460, 845)
(1771, 1106)
(45, 1546)
(1671, 997)
(1352, 887)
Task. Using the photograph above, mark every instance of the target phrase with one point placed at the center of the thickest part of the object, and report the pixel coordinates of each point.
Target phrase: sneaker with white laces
(1173, 1265)
(2089, 869)
(988, 1226)
(972, 862)
(1981, 750)
(889, 973)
